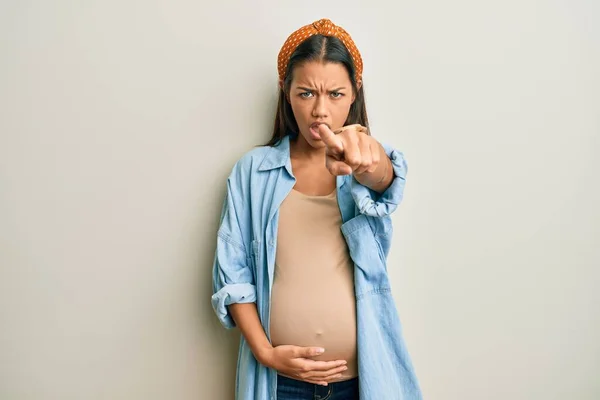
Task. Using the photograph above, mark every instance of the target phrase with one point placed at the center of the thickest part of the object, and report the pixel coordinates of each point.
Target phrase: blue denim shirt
(244, 267)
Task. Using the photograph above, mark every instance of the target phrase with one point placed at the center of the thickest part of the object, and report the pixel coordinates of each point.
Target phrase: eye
(306, 95)
(336, 95)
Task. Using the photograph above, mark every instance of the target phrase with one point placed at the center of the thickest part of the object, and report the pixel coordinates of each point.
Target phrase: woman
(300, 265)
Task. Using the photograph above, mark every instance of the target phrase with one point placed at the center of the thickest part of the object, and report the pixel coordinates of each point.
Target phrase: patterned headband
(326, 28)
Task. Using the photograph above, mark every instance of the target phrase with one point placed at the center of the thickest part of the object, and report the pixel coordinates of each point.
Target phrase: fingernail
(320, 350)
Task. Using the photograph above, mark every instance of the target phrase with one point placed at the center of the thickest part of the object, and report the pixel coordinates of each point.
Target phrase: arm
(353, 151)
(233, 279)
(382, 204)
(378, 207)
(246, 318)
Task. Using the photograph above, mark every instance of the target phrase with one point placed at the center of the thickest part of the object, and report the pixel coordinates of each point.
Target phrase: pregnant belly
(322, 317)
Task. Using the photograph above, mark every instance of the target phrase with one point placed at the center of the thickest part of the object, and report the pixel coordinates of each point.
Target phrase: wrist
(376, 177)
(264, 355)
(386, 163)
(381, 178)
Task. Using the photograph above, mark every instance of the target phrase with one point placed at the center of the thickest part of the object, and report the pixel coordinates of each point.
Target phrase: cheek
(300, 109)
(342, 109)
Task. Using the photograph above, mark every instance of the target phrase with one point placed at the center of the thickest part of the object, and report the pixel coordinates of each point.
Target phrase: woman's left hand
(351, 151)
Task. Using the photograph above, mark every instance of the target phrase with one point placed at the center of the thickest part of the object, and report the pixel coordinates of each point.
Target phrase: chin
(315, 143)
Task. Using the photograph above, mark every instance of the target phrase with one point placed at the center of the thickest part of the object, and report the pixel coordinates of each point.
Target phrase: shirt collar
(278, 156)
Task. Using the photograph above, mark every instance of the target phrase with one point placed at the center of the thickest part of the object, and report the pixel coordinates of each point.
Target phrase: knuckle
(353, 160)
(348, 138)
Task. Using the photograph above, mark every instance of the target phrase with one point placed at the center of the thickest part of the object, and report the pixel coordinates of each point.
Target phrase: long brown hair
(324, 49)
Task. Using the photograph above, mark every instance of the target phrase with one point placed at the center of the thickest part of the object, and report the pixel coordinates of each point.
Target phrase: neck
(300, 149)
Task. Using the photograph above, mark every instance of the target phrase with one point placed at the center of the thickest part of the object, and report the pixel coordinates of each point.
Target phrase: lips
(314, 130)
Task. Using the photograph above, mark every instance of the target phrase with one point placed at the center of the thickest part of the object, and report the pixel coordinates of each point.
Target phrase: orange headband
(326, 28)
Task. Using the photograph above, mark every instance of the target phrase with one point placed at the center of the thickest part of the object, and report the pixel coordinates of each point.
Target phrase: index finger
(324, 365)
(329, 138)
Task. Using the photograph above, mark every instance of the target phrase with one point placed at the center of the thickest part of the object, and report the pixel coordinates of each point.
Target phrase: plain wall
(120, 121)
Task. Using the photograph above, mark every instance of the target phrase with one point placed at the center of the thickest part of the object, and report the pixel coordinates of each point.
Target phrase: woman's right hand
(297, 363)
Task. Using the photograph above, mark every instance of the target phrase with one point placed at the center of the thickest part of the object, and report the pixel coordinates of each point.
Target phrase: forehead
(318, 72)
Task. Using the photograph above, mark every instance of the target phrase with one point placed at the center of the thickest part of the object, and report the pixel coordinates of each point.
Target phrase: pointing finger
(330, 139)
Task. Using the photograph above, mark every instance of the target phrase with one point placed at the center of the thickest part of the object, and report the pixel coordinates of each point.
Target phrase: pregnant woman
(305, 230)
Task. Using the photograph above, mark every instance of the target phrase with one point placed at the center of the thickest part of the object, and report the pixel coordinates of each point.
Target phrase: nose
(320, 107)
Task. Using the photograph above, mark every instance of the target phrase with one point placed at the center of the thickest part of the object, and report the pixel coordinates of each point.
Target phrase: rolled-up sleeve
(233, 279)
(379, 205)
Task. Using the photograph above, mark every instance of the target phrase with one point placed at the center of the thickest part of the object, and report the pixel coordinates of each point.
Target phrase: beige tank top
(313, 301)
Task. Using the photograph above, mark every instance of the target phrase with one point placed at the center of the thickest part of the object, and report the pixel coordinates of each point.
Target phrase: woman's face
(320, 93)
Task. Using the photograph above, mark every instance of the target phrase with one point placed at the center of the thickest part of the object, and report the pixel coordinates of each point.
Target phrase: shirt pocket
(366, 254)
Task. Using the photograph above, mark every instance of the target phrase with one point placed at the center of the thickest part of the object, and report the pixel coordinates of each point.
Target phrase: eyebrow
(312, 90)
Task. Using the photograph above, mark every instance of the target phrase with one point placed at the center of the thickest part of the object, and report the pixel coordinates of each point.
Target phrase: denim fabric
(244, 267)
(291, 389)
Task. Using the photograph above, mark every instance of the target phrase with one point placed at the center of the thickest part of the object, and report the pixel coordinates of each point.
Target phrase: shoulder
(252, 159)
(250, 162)
(253, 167)
(247, 169)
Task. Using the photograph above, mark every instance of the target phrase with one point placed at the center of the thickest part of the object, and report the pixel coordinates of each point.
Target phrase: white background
(120, 121)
